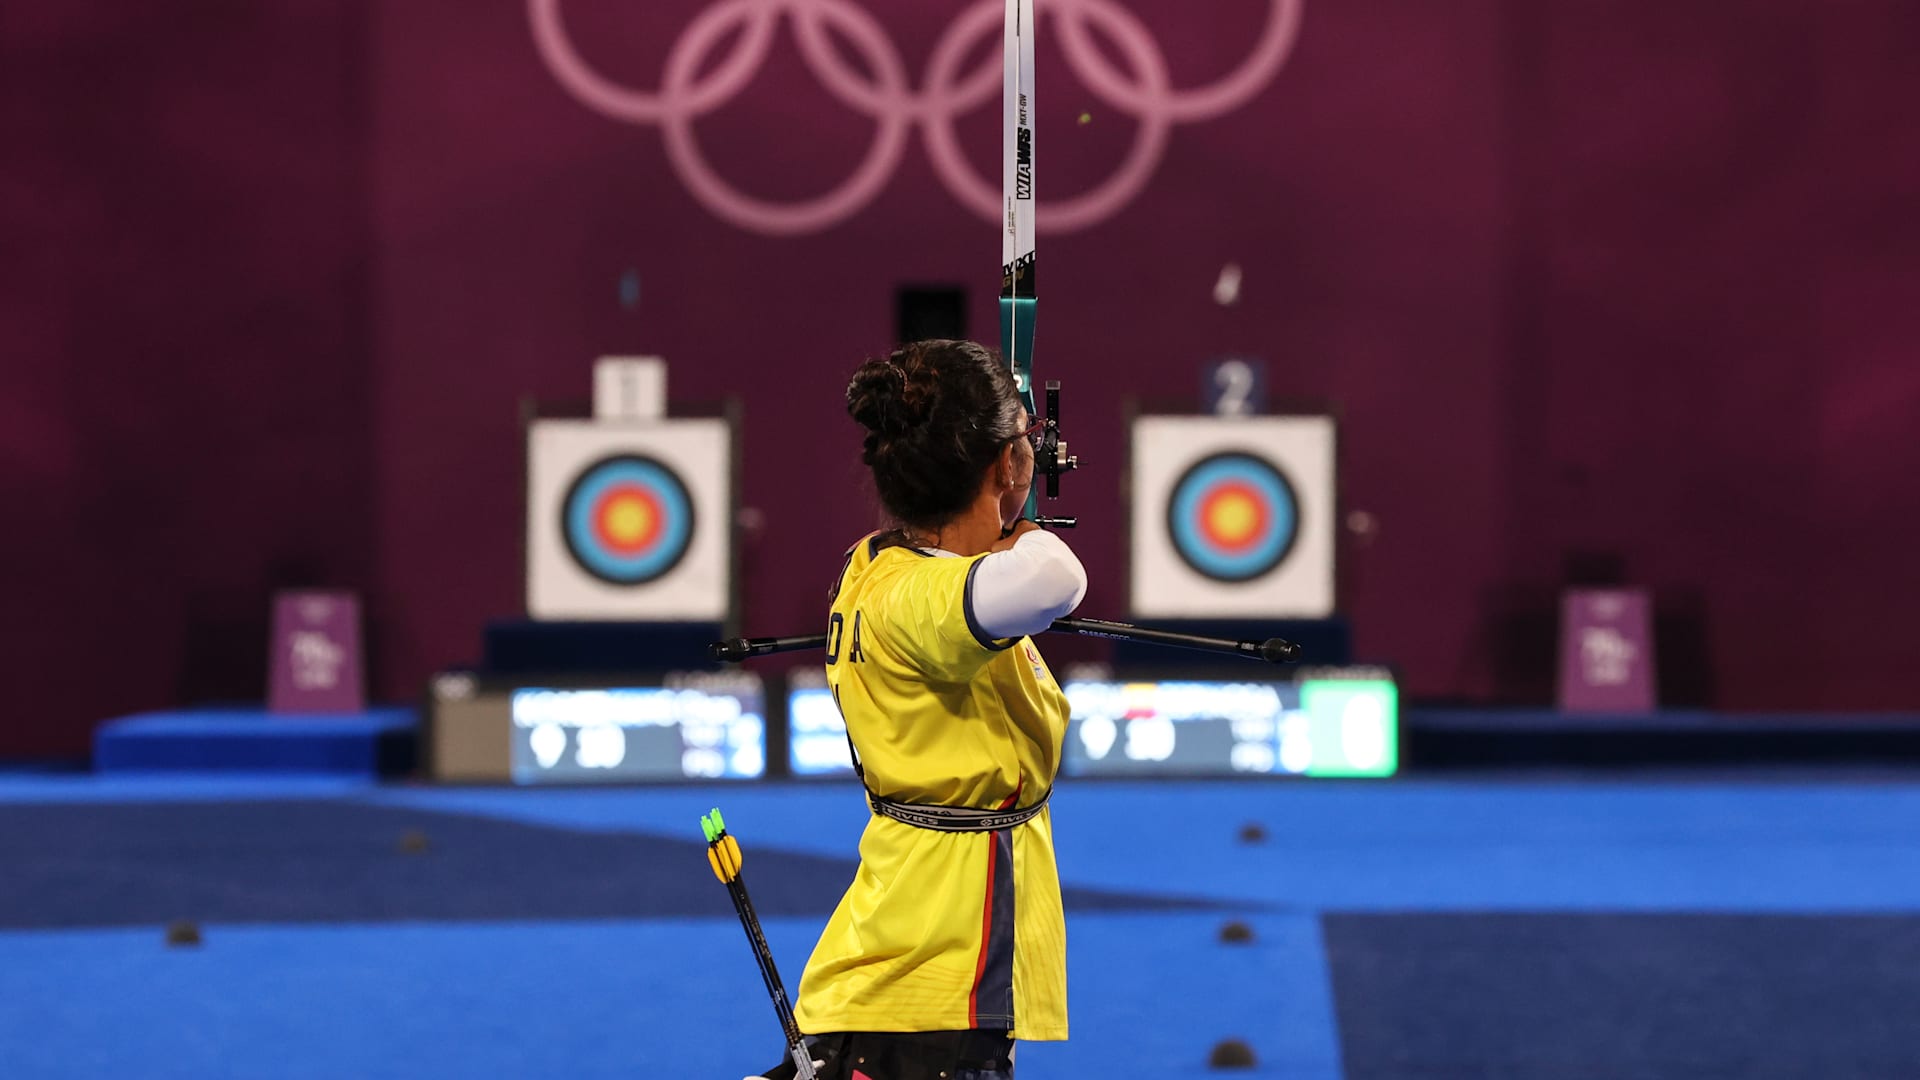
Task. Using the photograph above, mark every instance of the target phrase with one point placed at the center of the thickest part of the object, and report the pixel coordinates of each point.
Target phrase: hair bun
(938, 414)
(891, 397)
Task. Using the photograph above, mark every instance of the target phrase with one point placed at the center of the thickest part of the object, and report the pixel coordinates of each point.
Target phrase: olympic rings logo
(1146, 94)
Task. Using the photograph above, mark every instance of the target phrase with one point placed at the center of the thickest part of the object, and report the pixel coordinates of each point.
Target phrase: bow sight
(1050, 458)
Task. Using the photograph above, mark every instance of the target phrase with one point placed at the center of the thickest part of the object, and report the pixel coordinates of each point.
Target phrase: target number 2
(1235, 387)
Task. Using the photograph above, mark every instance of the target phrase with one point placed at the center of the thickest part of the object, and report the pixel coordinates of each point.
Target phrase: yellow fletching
(723, 854)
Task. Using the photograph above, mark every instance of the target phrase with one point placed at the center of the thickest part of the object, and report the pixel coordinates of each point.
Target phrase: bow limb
(1019, 302)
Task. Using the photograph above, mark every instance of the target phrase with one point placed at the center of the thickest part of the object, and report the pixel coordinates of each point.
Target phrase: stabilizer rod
(1272, 650)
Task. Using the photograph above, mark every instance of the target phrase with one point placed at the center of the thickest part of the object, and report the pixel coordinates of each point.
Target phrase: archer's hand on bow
(1020, 528)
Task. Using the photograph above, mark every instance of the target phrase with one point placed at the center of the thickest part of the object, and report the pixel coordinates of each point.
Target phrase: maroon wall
(1716, 242)
(1640, 278)
(184, 406)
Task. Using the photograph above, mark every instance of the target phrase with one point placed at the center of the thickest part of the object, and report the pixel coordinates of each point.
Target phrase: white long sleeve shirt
(1022, 590)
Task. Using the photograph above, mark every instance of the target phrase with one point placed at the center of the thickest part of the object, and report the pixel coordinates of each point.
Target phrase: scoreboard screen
(1329, 722)
(816, 736)
(1339, 723)
(695, 728)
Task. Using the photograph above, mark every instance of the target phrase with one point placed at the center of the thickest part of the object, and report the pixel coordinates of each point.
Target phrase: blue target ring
(1233, 516)
(627, 519)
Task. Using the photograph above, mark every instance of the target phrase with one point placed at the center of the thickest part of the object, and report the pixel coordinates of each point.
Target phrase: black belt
(954, 818)
(943, 818)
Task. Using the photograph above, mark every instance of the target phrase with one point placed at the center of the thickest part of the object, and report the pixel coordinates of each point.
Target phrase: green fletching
(707, 828)
(719, 825)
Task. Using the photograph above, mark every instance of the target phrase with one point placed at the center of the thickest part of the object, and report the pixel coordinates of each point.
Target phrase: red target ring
(1233, 516)
(627, 518)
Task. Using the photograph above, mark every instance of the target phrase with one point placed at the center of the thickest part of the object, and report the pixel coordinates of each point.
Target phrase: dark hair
(937, 413)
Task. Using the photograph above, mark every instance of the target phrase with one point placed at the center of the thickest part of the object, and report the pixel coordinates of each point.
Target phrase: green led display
(1353, 726)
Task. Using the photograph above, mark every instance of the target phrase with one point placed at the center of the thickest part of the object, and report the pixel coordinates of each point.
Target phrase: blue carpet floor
(1489, 927)
(112, 864)
(1516, 996)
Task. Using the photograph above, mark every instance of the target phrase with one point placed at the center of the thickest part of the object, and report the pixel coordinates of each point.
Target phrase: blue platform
(378, 742)
(1481, 738)
(528, 647)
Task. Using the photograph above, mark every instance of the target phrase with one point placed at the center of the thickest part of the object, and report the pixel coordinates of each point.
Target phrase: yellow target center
(628, 520)
(1233, 517)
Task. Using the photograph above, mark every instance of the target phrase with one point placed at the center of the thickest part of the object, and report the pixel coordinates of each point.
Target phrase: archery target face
(1233, 517)
(627, 520)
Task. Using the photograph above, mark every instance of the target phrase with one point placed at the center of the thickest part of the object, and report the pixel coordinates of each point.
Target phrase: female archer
(950, 942)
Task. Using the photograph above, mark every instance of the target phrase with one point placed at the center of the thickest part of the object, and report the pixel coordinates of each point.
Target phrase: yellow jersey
(941, 930)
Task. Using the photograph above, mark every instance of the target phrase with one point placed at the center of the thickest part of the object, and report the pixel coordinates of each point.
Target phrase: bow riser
(1019, 299)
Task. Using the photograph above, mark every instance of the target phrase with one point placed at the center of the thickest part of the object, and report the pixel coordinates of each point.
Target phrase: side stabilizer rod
(1272, 650)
